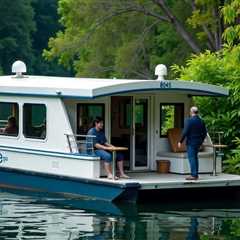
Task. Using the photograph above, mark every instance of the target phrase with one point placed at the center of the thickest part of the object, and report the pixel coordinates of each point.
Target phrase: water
(25, 216)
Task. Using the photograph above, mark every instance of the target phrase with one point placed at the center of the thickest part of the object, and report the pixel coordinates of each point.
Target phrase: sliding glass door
(130, 128)
(141, 133)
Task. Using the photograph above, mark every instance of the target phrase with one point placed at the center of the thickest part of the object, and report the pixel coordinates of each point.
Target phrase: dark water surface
(25, 216)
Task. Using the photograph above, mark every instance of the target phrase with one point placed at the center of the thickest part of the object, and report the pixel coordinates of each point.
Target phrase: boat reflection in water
(46, 217)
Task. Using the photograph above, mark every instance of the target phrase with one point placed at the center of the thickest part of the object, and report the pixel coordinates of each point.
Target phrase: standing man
(101, 147)
(195, 132)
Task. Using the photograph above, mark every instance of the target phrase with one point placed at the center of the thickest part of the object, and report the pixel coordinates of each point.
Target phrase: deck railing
(216, 136)
(81, 143)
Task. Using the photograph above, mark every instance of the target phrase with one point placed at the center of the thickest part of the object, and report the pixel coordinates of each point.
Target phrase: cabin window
(34, 121)
(9, 120)
(171, 116)
(86, 113)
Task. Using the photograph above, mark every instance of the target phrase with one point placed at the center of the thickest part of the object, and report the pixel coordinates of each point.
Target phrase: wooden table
(215, 147)
(114, 150)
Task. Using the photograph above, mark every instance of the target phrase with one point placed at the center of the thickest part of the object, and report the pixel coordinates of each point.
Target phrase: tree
(205, 17)
(16, 27)
(231, 13)
(208, 20)
(46, 20)
(194, 25)
(102, 44)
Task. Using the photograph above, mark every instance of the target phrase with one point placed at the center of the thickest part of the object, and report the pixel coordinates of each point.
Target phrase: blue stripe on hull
(67, 185)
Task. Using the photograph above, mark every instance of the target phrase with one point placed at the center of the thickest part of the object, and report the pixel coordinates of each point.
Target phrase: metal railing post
(87, 142)
(69, 143)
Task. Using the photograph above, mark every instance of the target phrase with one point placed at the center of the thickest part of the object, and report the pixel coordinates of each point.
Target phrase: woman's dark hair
(97, 120)
(12, 120)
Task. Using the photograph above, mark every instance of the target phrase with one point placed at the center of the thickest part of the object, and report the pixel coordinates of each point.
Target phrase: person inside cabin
(11, 128)
(40, 130)
(195, 132)
(101, 147)
(43, 128)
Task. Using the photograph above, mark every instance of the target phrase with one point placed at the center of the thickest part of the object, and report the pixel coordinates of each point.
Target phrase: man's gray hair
(194, 110)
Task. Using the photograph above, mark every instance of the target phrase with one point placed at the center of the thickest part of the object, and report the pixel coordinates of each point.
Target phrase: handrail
(79, 143)
(217, 146)
(216, 136)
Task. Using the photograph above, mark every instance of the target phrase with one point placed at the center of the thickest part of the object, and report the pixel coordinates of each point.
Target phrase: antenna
(161, 71)
(19, 68)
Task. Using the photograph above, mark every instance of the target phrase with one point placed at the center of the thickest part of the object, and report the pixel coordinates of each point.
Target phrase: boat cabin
(53, 115)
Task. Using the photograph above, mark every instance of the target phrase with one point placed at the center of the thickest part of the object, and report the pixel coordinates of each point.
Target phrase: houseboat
(50, 151)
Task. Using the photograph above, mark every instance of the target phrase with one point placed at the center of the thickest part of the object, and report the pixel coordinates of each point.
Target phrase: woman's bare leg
(121, 169)
(108, 169)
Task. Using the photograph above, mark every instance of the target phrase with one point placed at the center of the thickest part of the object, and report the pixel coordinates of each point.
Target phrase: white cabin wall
(71, 109)
(57, 126)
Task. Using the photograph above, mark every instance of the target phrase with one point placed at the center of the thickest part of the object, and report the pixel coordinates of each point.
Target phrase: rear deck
(153, 180)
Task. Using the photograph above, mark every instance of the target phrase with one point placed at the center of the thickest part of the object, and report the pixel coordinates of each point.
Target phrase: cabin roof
(88, 88)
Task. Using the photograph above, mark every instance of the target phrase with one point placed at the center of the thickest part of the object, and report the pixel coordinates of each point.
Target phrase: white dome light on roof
(161, 71)
(19, 68)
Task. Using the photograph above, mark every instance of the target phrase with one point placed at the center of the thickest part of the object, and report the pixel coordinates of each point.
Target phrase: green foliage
(106, 39)
(235, 228)
(230, 230)
(203, 13)
(206, 19)
(46, 20)
(98, 42)
(220, 68)
(16, 28)
(233, 161)
(25, 27)
(167, 48)
(167, 119)
(202, 67)
(231, 13)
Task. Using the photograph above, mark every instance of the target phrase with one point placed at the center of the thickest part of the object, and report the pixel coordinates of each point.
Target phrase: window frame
(18, 122)
(181, 104)
(23, 123)
(89, 104)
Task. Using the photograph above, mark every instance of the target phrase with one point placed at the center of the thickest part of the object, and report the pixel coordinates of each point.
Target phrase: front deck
(153, 180)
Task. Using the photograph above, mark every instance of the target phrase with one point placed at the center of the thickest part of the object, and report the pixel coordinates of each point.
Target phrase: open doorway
(130, 128)
(141, 133)
(121, 126)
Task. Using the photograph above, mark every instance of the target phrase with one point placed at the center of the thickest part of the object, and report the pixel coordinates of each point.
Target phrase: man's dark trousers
(192, 151)
(195, 132)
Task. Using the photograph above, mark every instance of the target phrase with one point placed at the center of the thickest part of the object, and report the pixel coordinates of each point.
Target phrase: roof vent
(161, 71)
(19, 68)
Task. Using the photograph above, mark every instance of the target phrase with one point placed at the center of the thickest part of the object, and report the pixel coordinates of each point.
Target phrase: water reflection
(193, 230)
(44, 217)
